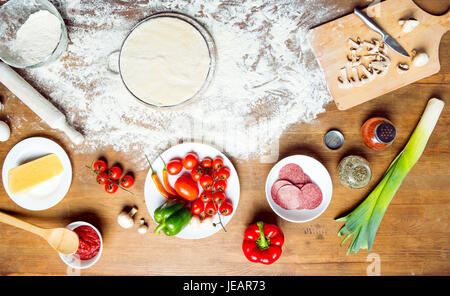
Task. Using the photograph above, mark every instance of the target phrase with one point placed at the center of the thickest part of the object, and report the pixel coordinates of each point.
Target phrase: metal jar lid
(334, 139)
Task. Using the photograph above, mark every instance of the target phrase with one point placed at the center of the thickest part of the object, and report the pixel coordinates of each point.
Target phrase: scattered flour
(38, 37)
(266, 77)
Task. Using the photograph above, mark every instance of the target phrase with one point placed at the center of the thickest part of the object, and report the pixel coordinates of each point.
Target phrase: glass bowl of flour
(32, 33)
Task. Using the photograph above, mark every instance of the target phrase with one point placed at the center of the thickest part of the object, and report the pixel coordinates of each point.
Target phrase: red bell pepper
(262, 243)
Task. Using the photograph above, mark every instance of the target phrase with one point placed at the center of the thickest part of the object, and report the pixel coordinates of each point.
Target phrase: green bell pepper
(172, 218)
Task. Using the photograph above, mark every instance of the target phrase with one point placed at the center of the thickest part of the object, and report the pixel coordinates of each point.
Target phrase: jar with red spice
(378, 133)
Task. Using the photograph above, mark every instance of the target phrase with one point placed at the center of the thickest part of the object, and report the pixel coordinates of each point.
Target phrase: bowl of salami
(299, 188)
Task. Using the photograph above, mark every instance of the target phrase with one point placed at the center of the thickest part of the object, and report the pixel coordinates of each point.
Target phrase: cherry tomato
(217, 163)
(174, 166)
(190, 161)
(115, 172)
(100, 166)
(219, 198)
(226, 208)
(111, 187)
(206, 181)
(223, 174)
(197, 207)
(210, 209)
(127, 181)
(196, 173)
(102, 178)
(206, 196)
(206, 162)
(186, 188)
(220, 185)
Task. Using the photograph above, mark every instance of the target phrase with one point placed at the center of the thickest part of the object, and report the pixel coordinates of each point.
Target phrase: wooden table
(413, 238)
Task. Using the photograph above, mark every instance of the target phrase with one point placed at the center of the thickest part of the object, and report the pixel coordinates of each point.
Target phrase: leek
(363, 222)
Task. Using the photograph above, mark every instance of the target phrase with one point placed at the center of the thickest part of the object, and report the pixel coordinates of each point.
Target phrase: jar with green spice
(354, 171)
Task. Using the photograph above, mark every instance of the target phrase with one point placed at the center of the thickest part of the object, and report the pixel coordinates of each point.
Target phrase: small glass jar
(354, 171)
(378, 133)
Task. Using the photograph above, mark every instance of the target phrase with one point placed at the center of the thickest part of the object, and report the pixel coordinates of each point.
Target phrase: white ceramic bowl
(72, 260)
(319, 176)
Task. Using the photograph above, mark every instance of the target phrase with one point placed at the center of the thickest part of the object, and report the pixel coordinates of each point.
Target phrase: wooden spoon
(62, 240)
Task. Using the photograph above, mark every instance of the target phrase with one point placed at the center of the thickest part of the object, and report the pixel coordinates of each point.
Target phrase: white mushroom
(5, 132)
(343, 80)
(402, 68)
(125, 219)
(142, 226)
(420, 59)
(408, 25)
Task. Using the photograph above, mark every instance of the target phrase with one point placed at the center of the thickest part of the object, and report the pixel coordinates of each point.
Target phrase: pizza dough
(164, 61)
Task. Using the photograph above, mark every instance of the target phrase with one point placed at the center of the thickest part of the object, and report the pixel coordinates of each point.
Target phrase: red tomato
(226, 208)
(190, 161)
(217, 163)
(102, 178)
(206, 196)
(174, 166)
(111, 187)
(219, 198)
(223, 174)
(196, 173)
(210, 209)
(206, 181)
(206, 162)
(186, 188)
(100, 166)
(115, 172)
(220, 185)
(127, 181)
(197, 207)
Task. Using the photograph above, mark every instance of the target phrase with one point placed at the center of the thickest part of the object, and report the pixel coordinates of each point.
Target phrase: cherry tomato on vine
(100, 166)
(206, 196)
(102, 178)
(197, 207)
(226, 208)
(115, 172)
(127, 181)
(217, 163)
(206, 162)
(206, 181)
(190, 161)
(210, 209)
(223, 174)
(219, 198)
(196, 173)
(174, 166)
(111, 187)
(220, 185)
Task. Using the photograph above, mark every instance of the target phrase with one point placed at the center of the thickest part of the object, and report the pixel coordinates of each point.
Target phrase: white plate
(153, 199)
(318, 175)
(46, 194)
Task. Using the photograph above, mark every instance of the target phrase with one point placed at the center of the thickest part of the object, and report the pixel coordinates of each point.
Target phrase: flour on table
(37, 38)
(266, 76)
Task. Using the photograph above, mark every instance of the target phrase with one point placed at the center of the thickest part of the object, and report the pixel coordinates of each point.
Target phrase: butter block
(34, 173)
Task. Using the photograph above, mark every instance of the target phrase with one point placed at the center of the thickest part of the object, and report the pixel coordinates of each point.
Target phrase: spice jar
(354, 171)
(377, 133)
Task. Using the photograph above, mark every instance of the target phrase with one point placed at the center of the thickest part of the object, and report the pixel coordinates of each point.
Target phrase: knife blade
(391, 42)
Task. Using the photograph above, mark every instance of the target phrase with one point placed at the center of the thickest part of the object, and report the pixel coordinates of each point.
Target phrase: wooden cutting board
(329, 45)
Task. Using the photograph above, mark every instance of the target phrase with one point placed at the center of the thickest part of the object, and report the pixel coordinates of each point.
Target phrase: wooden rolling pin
(36, 102)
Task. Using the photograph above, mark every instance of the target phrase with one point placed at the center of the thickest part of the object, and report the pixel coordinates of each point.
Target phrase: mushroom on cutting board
(408, 25)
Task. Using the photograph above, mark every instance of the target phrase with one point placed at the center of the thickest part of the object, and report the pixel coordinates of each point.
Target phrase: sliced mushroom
(408, 25)
(402, 68)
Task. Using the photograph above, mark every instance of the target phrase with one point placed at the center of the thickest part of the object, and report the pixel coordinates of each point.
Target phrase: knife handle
(369, 22)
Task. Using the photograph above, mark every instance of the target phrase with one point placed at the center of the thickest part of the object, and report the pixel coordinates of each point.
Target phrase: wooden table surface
(413, 238)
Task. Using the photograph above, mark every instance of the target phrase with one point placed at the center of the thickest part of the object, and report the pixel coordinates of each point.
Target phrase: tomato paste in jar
(89, 242)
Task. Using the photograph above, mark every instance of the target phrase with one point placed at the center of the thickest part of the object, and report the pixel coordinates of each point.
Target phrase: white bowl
(318, 175)
(75, 262)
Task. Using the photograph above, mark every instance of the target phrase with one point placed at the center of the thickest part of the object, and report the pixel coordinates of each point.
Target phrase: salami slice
(312, 196)
(293, 173)
(287, 197)
(277, 185)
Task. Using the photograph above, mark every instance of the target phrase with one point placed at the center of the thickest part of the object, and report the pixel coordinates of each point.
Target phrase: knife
(386, 37)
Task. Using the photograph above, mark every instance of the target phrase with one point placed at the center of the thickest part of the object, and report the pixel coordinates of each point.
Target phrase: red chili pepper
(262, 243)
